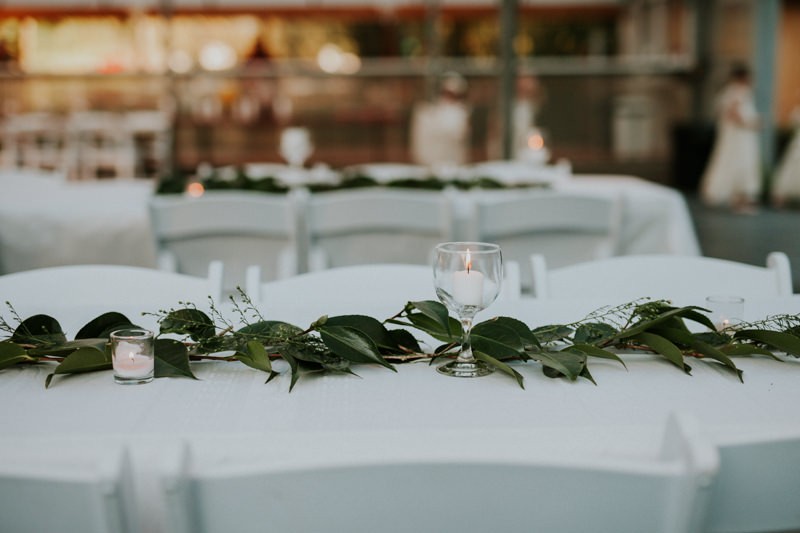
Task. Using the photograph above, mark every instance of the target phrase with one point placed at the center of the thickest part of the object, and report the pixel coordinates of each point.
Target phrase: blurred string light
(180, 62)
(217, 55)
(333, 60)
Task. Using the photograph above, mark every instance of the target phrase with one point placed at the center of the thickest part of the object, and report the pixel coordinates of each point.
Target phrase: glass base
(460, 369)
(132, 381)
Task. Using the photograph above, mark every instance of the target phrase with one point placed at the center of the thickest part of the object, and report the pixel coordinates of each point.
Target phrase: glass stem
(465, 355)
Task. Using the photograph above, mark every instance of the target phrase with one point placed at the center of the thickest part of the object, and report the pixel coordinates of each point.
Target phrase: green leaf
(593, 332)
(499, 365)
(560, 364)
(437, 312)
(679, 336)
(352, 345)
(664, 347)
(293, 366)
(192, 322)
(172, 359)
(594, 351)
(645, 325)
(39, 329)
(785, 342)
(255, 356)
(102, 326)
(405, 341)
(64, 349)
(80, 361)
(714, 338)
(747, 349)
(552, 333)
(520, 328)
(367, 325)
(431, 327)
(12, 353)
(713, 353)
(691, 314)
(495, 338)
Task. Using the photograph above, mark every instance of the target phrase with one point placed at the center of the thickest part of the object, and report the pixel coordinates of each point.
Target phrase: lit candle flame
(535, 142)
(468, 261)
(132, 358)
(195, 189)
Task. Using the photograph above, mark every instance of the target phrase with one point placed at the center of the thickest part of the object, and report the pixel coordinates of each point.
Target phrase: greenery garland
(269, 184)
(336, 344)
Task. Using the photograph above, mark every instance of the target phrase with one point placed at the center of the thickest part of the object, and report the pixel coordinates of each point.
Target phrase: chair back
(65, 485)
(447, 480)
(757, 486)
(566, 228)
(101, 144)
(662, 276)
(376, 225)
(239, 228)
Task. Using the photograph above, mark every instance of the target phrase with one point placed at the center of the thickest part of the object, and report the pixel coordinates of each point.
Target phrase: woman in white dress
(786, 187)
(733, 174)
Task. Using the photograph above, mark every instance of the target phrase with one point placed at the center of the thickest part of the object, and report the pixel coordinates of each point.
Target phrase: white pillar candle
(129, 362)
(468, 284)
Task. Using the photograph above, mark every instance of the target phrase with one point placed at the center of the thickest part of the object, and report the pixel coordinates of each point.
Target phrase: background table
(47, 222)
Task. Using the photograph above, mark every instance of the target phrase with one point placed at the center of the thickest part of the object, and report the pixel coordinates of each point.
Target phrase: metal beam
(767, 17)
(508, 72)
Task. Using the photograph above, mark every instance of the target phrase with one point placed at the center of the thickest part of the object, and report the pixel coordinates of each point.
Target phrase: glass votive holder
(132, 356)
(726, 310)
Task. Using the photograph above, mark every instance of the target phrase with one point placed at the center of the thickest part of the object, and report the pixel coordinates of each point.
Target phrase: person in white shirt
(440, 130)
(733, 175)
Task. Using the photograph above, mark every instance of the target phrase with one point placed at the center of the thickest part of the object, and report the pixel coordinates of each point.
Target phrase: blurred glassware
(296, 146)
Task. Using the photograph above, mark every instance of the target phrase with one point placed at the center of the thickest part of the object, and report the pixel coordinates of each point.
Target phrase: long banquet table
(48, 222)
(623, 415)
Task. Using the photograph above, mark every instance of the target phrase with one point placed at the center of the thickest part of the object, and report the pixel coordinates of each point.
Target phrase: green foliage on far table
(337, 344)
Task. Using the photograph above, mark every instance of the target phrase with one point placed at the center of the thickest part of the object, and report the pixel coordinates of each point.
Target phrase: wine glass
(296, 146)
(467, 277)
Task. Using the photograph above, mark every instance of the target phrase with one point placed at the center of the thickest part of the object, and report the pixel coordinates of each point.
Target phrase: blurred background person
(786, 187)
(528, 98)
(440, 130)
(733, 174)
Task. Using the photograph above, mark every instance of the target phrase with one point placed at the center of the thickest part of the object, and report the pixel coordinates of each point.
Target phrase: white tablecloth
(623, 414)
(49, 222)
(655, 218)
(46, 222)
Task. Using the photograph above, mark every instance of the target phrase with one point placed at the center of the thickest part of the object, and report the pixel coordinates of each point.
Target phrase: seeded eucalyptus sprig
(335, 345)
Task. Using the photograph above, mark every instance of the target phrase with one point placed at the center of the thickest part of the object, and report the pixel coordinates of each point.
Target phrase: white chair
(82, 285)
(37, 141)
(239, 228)
(662, 276)
(376, 225)
(102, 144)
(150, 131)
(68, 485)
(757, 487)
(565, 227)
(456, 480)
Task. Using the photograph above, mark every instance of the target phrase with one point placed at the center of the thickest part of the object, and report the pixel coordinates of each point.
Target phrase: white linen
(623, 414)
(46, 222)
(655, 218)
